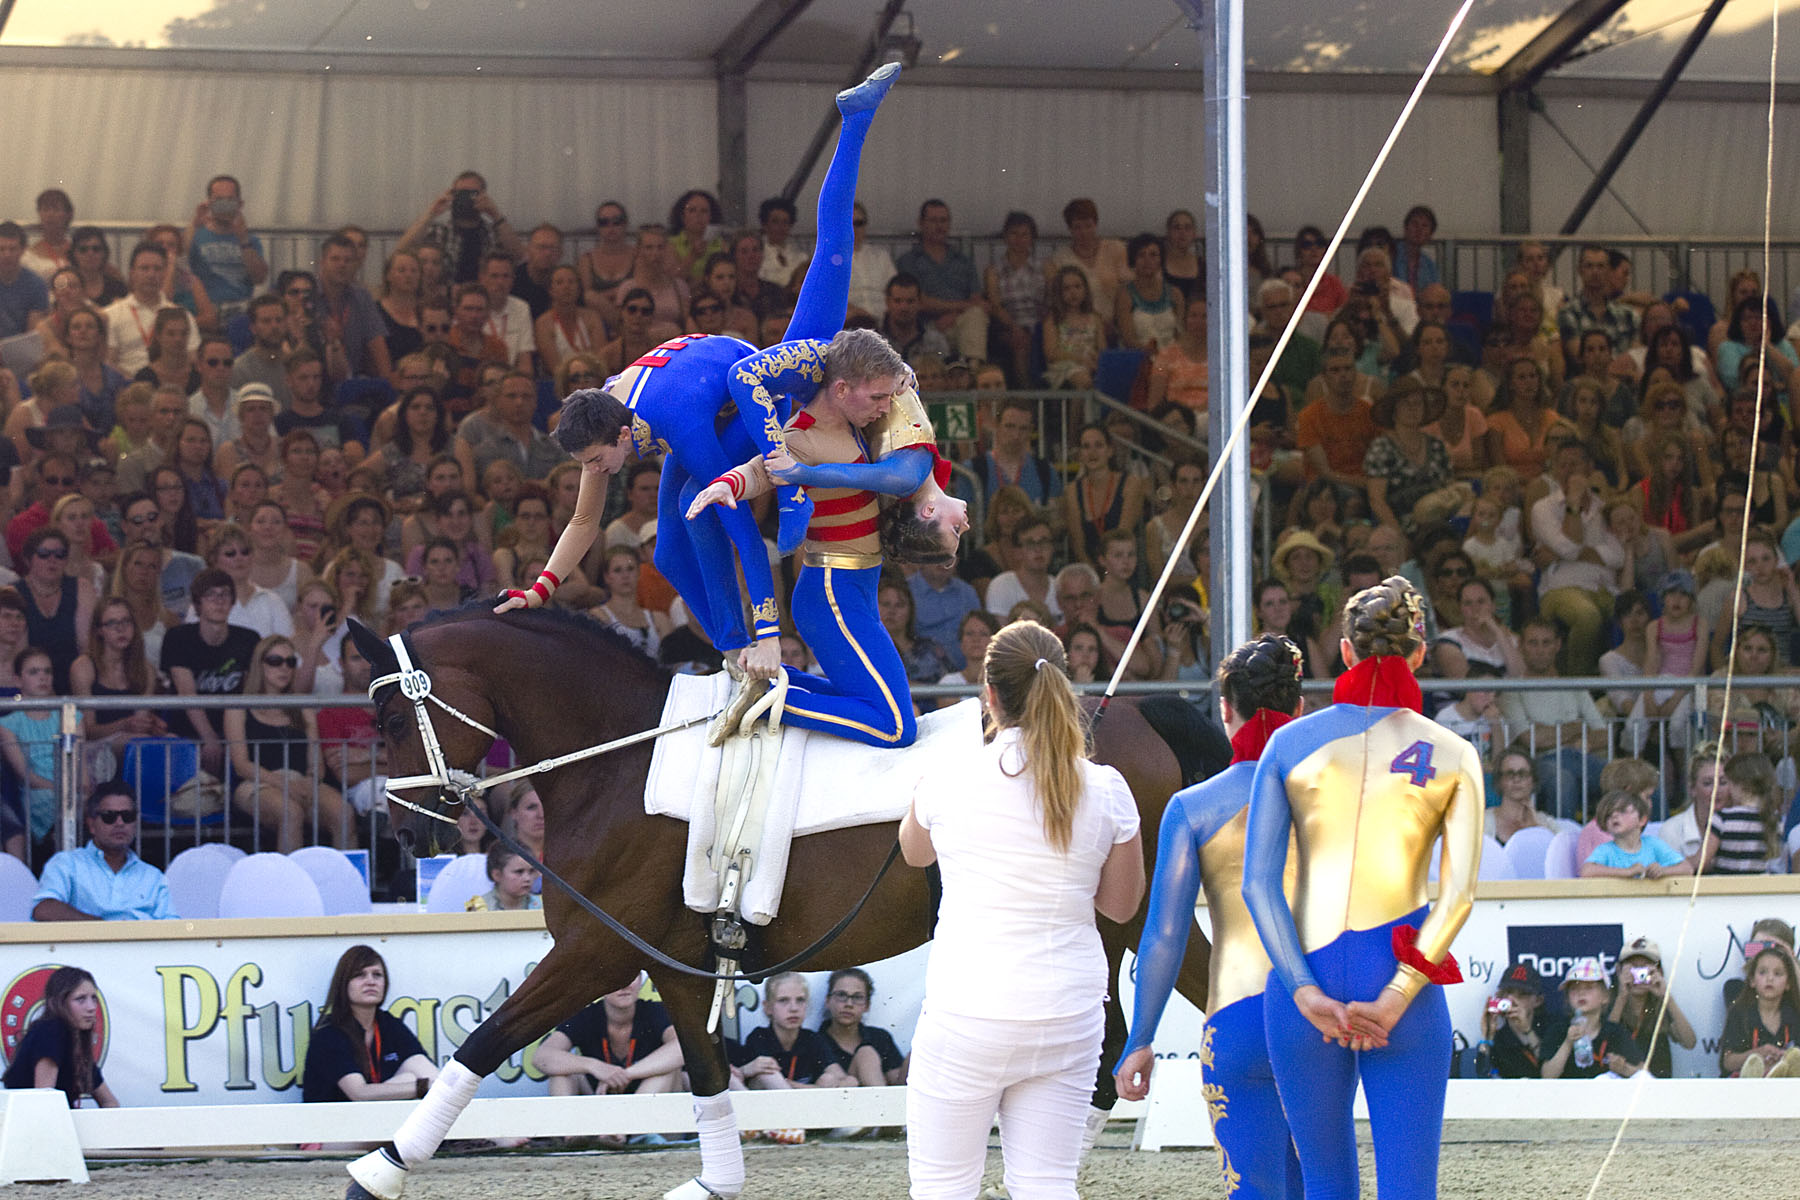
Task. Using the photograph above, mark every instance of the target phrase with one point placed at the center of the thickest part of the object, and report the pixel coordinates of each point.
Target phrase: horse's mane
(548, 619)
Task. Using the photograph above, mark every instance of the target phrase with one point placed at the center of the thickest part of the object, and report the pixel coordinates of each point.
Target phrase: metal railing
(1568, 775)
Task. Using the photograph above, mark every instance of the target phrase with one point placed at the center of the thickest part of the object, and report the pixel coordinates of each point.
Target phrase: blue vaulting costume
(678, 396)
(1201, 844)
(1364, 788)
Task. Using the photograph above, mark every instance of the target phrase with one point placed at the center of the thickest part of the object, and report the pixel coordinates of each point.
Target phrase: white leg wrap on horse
(427, 1125)
(721, 1150)
(1090, 1129)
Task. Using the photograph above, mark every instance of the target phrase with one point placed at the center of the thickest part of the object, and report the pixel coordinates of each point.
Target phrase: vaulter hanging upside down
(672, 400)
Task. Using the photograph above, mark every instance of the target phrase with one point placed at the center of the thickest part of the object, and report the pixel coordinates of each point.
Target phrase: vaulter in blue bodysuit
(677, 391)
(1202, 841)
(1364, 787)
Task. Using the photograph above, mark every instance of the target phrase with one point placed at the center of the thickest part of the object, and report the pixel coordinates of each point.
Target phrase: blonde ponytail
(1028, 671)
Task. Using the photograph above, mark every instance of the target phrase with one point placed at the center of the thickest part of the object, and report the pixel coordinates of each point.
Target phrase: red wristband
(546, 573)
(734, 480)
(543, 593)
(1405, 941)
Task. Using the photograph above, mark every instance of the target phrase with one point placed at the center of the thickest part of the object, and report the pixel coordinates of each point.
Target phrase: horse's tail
(1199, 745)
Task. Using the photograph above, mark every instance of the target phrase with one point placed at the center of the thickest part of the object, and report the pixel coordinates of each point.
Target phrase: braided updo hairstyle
(1264, 673)
(1029, 674)
(1388, 618)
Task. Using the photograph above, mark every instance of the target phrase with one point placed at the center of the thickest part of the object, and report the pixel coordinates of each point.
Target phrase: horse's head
(421, 812)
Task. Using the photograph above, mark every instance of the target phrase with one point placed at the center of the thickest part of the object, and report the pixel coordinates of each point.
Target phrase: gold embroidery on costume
(1216, 1102)
(765, 611)
(1211, 1092)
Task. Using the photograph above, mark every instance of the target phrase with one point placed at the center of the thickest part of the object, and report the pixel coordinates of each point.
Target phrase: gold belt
(841, 560)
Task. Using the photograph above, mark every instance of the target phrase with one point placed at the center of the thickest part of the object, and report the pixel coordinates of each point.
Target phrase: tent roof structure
(1126, 39)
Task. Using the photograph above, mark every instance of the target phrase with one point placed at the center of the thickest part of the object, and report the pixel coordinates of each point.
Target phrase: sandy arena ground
(1523, 1160)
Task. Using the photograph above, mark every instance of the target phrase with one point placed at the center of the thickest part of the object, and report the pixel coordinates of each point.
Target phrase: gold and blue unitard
(1364, 788)
(863, 693)
(678, 395)
(1202, 843)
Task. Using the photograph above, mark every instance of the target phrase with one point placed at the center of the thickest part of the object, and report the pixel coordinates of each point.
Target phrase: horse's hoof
(693, 1189)
(376, 1176)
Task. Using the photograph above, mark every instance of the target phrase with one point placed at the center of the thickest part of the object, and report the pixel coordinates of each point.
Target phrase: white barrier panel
(1176, 1116)
(540, 1116)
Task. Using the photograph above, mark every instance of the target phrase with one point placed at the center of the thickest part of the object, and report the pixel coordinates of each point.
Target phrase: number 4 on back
(1415, 760)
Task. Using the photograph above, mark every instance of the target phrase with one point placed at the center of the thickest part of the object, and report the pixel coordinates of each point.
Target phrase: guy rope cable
(1737, 595)
(1306, 294)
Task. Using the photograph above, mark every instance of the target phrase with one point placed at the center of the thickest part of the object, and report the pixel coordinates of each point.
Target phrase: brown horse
(551, 683)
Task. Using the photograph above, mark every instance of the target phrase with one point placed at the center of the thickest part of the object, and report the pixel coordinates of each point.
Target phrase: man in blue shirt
(940, 602)
(23, 295)
(224, 255)
(105, 880)
(949, 285)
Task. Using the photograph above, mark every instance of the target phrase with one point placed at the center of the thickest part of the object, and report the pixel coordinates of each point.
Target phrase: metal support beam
(731, 100)
(731, 64)
(1555, 42)
(870, 56)
(1530, 63)
(1220, 24)
(1645, 112)
(752, 35)
(1515, 160)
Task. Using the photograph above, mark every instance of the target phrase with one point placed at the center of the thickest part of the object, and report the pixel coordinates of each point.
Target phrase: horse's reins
(415, 684)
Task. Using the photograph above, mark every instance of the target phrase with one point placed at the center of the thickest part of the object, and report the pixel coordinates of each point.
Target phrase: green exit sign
(953, 421)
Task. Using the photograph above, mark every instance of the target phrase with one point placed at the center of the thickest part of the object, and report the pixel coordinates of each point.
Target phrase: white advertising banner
(225, 1018)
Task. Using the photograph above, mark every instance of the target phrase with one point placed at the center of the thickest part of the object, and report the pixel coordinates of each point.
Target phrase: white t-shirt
(1005, 590)
(128, 327)
(1015, 937)
(512, 325)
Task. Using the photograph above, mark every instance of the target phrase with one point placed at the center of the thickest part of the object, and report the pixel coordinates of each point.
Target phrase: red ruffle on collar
(1380, 681)
(940, 470)
(1247, 744)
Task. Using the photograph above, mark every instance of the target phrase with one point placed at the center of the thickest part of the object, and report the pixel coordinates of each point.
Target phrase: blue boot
(866, 96)
(795, 508)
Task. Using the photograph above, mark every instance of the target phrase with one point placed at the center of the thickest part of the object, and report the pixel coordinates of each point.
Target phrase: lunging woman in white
(1032, 839)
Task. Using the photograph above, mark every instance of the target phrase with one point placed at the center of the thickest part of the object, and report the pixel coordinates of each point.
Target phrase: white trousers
(1037, 1075)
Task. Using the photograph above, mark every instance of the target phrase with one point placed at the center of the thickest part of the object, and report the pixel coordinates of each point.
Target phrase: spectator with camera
(1518, 1025)
(465, 224)
(1643, 1006)
(1594, 1044)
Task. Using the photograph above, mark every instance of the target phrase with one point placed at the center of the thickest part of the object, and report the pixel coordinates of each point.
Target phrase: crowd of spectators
(1597, 1022)
(212, 465)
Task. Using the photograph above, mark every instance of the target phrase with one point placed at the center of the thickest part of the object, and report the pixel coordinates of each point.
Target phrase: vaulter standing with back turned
(1202, 845)
(1364, 788)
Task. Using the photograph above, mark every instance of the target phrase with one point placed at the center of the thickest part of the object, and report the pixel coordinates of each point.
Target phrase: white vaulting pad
(821, 783)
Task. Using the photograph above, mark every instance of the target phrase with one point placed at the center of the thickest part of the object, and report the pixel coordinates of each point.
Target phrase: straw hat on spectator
(1301, 539)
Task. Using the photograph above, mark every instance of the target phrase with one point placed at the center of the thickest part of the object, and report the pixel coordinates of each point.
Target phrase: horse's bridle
(415, 685)
(461, 786)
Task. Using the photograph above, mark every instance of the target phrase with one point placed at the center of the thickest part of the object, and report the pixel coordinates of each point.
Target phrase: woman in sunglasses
(59, 608)
(271, 759)
(91, 258)
(116, 665)
(608, 264)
